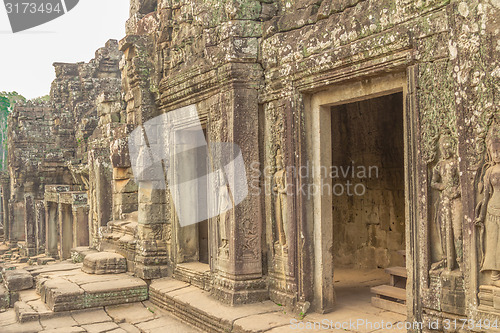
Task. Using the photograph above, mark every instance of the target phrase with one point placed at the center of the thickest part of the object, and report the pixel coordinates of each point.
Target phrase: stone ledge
(76, 290)
(196, 307)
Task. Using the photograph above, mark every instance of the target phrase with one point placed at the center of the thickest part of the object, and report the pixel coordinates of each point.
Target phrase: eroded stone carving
(448, 210)
(280, 201)
(224, 206)
(488, 210)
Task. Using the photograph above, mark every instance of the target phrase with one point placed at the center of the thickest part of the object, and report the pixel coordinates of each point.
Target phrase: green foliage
(7, 102)
(40, 99)
(13, 97)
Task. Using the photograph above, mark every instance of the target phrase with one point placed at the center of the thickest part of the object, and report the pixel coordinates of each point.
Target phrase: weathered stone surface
(90, 316)
(25, 313)
(296, 83)
(79, 253)
(18, 279)
(59, 267)
(4, 298)
(131, 313)
(104, 263)
(182, 299)
(76, 290)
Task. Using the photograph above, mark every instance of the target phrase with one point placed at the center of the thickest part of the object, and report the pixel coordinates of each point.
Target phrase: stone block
(18, 279)
(104, 263)
(61, 295)
(4, 298)
(152, 213)
(44, 261)
(122, 173)
(25, 313)
(78, 254)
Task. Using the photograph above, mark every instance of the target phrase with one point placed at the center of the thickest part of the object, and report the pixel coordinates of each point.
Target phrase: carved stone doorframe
(318, 138)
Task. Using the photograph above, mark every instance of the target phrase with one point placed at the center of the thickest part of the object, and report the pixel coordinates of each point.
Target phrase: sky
(26, 57)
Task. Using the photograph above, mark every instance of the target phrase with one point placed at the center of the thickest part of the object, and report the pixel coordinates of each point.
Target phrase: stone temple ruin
(370, 134)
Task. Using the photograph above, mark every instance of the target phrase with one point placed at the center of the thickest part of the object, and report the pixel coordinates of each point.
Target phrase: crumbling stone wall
(49, 142)
(38, 148)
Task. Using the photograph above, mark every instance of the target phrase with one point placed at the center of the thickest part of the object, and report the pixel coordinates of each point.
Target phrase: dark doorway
(368, 199)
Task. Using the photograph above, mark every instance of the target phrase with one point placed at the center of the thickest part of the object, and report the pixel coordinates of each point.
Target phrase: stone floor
(352, 314)
(178, 307)
(134, 317)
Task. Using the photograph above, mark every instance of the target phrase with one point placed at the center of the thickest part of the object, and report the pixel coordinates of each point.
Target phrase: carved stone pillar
(80, 212)
(40, 225)
(65, 218)
(29, 226)
(51, 229)
(5, 205)
(239, 275)
(151, 247)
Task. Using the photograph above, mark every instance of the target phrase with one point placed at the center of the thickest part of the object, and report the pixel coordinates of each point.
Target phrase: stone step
(389, 291)
(195, 273)
(75, 290)
(397, 271)
(196, 307)
(389, 305)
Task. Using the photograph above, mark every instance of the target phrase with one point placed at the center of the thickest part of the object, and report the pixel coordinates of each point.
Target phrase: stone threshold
(197, 308)
(195, 273)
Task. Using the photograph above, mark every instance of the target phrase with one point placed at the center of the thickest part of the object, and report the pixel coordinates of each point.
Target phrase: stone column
(239, 276)
(40, 232)
(5, 206)
(51, 229)
(80, 225)
(151, 247)
(29, 225)
(65, 230)
(10, 212)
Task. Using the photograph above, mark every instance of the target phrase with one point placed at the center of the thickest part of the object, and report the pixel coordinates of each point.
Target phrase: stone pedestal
(104, 263)
(489, 298)
(447, 292)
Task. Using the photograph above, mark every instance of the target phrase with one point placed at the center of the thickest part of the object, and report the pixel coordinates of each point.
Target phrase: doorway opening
(368, 197)
(203, 168)
(203, 242)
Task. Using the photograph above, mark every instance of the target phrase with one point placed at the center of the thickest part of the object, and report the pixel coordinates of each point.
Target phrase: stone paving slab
(58, 267)
(98, 320)
(132, 313)
(91, 316)
(100, 327)
(261, 322)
